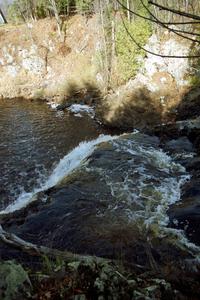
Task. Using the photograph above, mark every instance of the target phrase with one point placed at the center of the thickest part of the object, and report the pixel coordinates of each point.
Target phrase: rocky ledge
(117, 205)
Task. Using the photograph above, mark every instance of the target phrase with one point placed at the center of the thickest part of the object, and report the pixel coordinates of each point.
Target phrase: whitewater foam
(149, 182)
(144, 191)
(66, 165)
(77, 109)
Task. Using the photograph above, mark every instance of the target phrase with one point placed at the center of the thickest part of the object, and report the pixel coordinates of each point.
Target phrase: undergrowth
(128, 54)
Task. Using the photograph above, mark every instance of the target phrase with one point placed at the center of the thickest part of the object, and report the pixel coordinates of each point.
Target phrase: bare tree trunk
(55, 11)
(106, 61)
(128, 10)
(113, 38)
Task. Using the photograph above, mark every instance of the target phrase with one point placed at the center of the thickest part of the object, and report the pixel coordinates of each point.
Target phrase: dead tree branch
(175, 11)
(154, 21)
(151, 52)
(36, 250)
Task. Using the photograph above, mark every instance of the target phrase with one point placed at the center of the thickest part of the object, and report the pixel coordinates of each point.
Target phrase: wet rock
(193, 165)
(62, 106)
(187, 218)
(185, 215)
(183, 137)
(108, 207)
(180, 144)
(179, 134)
(102, 207)
(80, 297)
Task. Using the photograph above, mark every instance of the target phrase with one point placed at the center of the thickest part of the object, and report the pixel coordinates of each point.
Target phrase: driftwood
(36, 250)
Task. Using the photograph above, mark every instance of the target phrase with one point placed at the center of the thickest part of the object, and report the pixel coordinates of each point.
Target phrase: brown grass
(67, 61)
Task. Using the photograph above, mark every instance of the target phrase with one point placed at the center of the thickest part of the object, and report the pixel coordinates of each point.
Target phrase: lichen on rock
(14, 281)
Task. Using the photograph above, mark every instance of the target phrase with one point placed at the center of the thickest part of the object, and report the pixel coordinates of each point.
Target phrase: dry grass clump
(79, 83)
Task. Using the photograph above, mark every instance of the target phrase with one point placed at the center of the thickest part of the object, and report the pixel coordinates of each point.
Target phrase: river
(91, 192)
(32, 141)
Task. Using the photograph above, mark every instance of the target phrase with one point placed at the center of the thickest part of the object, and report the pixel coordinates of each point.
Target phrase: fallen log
(37, 250)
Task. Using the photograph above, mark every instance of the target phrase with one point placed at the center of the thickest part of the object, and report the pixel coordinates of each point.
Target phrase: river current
(33, 138)
(128, 181)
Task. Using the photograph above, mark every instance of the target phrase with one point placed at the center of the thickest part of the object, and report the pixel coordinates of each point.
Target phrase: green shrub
(84, 6)
(128, 52)
(41, 8)
(194, 80)
(13, 14)
(194, 76)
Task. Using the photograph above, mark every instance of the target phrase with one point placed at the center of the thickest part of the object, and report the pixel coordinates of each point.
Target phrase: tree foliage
(34, 9)
(127, 40)
(128, 54)
(84, 5)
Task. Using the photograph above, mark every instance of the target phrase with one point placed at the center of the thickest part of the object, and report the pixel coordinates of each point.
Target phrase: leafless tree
(54, 8)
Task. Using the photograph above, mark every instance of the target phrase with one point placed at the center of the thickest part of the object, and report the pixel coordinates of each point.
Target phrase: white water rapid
(66, 165)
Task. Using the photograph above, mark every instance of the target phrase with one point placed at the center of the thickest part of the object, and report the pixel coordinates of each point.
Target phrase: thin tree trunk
(106, 65)
(128, 10)
(55, 10)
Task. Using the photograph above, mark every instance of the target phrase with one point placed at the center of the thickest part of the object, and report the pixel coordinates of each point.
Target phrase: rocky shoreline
(157, 270)
(111, 256)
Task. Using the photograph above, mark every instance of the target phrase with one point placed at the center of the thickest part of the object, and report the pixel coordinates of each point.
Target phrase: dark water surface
(33, 138)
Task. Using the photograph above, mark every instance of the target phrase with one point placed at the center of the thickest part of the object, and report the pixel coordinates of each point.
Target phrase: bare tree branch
(154, 21)
(178, 12)
(165, 26)
(170, 29)
(186, 32)
(153, 53)
(157, 21)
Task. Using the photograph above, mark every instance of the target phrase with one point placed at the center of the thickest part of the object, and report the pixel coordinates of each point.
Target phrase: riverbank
(116, 217)
(36, 64)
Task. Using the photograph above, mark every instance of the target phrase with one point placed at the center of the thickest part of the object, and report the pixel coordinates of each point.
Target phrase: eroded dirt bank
(36, 64)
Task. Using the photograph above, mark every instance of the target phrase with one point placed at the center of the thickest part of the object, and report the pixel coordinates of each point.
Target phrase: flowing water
(128, 182)
(33, 139)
